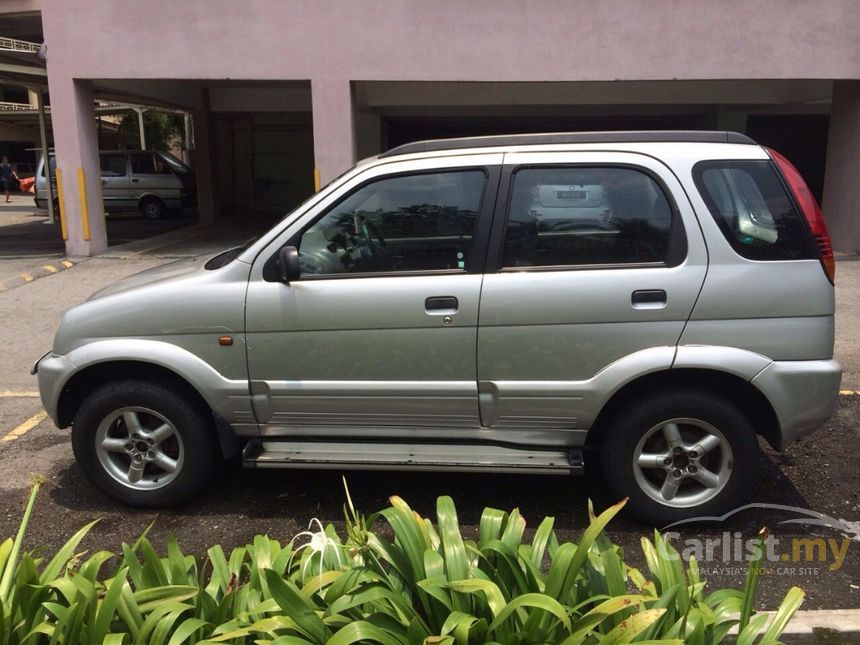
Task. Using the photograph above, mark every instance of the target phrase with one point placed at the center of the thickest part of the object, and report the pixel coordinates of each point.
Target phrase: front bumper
(803, 394)
(53, 371)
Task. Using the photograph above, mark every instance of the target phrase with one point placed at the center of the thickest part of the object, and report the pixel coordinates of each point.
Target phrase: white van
(152, 182)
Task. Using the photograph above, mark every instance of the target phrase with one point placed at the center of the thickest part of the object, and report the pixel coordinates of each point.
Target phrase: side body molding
(576, 402)
(228, 398)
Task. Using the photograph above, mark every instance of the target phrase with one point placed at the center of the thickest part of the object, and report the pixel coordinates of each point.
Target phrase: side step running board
(412, 456)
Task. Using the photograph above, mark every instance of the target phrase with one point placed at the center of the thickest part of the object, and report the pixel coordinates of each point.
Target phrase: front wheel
(144, 444)
(680, 455)
(153, 208)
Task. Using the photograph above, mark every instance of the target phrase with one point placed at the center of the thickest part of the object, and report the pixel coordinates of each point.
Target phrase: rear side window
(753, 209)
(579, 215)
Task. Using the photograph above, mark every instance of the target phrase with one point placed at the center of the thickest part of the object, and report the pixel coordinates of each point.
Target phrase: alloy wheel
(139, 448)
(682, 462)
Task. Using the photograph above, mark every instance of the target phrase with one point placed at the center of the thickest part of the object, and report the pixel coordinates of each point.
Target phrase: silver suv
(647, 303)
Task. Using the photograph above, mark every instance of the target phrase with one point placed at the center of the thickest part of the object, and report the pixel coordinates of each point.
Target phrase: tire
(172, 464)
(152, 208)
(716, 439)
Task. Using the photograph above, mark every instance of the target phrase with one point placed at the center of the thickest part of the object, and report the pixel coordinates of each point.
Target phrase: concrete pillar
(76, 143)
(841, 201)
(334, 130)
(204, 167)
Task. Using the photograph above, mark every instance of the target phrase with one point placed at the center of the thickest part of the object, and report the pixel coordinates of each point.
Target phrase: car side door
(115, 180)
(596, 261)
(378, 335)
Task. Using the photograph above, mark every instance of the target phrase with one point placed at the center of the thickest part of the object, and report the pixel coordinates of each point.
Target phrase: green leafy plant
(397, 578)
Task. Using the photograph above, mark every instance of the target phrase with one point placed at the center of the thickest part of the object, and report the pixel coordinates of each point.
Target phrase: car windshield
(173, 162)
(53, 165)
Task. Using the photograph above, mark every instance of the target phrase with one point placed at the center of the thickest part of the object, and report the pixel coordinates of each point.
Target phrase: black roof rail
(631, 136)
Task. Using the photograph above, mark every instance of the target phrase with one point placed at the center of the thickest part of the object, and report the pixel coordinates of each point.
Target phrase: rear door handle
(440, 305)
(648, 299)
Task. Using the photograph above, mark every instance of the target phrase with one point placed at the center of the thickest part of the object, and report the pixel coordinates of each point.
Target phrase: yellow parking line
(12, 394)
(27, 277)
(849, 392)
(25, 427)
(67, 263)
(49, 268)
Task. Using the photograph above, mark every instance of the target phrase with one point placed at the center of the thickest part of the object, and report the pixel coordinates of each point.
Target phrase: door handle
(135, 180)
(648, 299)
(440, 305)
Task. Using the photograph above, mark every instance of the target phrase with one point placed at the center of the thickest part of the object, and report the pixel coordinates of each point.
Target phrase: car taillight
(810, 210)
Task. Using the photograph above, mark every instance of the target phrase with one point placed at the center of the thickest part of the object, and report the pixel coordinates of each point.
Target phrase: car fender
(228, 398)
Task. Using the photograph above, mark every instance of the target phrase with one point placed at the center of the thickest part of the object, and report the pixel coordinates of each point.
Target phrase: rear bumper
(803, 395)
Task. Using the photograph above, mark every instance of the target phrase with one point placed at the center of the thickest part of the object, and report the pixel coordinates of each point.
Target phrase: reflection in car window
(753, 209)
(113, 165)
(421, 222)
(585, 215)
(143, 163)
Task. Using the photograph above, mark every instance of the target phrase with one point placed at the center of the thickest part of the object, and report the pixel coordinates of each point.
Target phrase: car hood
(163, 273)
(177, 298)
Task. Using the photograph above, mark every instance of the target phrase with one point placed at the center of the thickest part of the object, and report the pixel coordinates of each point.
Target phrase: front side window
(753, 210)
(143, 163)
(420, 222)
(113, 165)
(577, 215)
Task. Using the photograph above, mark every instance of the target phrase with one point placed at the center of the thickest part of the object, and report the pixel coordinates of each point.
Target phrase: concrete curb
(823, 626)
(50, 267)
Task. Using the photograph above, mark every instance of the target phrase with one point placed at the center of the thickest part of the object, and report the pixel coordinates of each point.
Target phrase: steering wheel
(369, 230)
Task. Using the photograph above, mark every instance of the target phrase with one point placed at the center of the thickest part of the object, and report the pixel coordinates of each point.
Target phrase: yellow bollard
(85, 213)
(62, 203)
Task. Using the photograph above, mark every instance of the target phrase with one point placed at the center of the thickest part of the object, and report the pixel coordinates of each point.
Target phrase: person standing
(6, 176)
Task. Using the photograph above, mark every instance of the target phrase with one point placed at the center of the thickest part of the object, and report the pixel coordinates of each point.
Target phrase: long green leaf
(363, 631)
(630, 627)
(107, 608)
(536, 601)
(297, 606)
(787, 608)
(11, 559)
(186, 630)
(751, 584)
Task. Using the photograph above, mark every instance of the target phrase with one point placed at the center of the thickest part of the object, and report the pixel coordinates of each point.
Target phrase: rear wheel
(153, 208)
(143, 444)
(680, 455)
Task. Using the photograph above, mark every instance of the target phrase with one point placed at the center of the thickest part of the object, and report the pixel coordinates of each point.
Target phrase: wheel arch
(751, 401)
(89, 378)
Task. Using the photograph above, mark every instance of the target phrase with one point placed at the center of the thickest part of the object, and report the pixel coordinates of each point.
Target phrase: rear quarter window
(753, 209)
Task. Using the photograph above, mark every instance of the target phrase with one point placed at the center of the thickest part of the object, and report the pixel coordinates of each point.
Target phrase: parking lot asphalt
(819, 473)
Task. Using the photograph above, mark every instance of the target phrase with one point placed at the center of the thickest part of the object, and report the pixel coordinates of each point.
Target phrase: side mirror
(288, 264)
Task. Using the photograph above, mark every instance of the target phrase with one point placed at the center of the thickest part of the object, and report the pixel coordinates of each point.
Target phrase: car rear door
(595, 264)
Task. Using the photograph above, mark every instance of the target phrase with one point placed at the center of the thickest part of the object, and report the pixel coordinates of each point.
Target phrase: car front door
(115, 181)
(379, 333)
(599, 260)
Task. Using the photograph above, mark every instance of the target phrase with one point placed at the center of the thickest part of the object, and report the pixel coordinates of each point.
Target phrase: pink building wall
(333, 42)
(455, 39)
